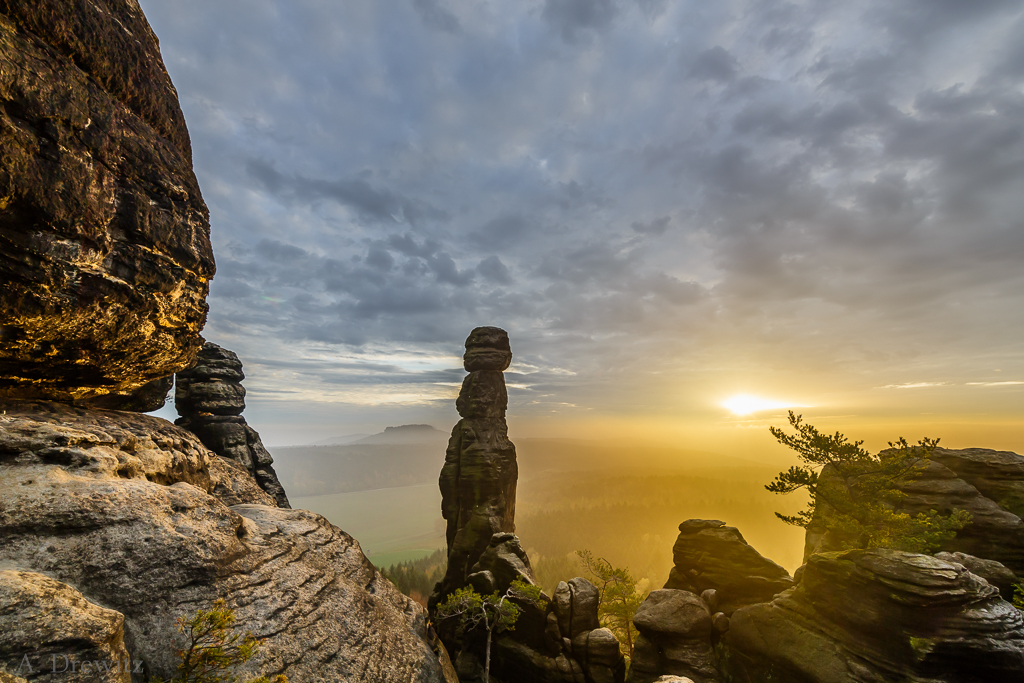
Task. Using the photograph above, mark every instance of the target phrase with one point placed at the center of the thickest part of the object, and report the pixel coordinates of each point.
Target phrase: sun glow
(745, 404)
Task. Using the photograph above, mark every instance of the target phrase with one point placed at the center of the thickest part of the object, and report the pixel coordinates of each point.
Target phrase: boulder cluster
(210, 398)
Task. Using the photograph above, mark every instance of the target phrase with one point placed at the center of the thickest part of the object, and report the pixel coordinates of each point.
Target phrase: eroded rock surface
(104, 237)
(881, 615)
(50, 632)
(710, 555)
(210, 398)
(124, 508)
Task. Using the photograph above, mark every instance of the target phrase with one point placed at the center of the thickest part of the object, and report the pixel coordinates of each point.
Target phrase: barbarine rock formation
(104, 235)
(478, 479)
(141, 524)
(210, 399)
(554, 640)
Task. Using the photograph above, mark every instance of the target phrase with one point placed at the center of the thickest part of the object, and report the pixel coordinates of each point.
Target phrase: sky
(666, 204)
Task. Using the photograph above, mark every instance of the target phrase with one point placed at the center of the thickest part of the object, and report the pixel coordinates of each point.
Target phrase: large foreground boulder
(708, 555)
(675, 638)
(880, 615)
(125, 508)
(104, 237)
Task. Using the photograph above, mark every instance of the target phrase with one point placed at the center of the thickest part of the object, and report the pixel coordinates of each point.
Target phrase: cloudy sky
(664, 203)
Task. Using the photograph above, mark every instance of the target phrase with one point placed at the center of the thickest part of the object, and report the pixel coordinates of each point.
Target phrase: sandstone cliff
(104, 237)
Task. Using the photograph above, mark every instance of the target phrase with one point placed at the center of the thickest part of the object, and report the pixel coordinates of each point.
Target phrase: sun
(745, 404)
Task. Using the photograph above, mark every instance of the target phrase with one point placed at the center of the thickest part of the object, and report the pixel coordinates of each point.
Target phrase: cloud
(809, 190)
(714, 64)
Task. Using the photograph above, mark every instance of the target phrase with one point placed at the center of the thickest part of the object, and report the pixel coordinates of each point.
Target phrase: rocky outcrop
(124, 508)
(50, 632)
(104, 237)
(708, 555)
(880, 615)
(478, 479)
(987, 484)
(210, 398)
(675, 638)
(990, 570)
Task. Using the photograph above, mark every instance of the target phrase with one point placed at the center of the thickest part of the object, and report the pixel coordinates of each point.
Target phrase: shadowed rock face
(50, 631)
(127, 508)
(104, 237)
(210, 398)
(478, 479)
(882, 615)
(675, 638)
(710, 555)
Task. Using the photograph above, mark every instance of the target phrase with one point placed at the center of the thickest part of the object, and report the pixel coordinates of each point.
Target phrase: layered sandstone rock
(708, 555)
(50, 632)
(478, 479)
(988, 484)
(104, 237)
(881, 615)
(125, 508)
(210, 398)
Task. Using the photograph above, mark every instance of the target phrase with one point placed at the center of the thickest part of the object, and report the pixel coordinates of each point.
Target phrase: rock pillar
(478, 479)
(210, 398)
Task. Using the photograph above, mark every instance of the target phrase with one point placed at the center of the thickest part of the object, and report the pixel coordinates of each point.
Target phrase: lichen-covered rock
(123, 507)
(709, 555)
(104, 235)
(150, 397)
(675, 638)
(50, 632)
(210, 399)
(881, 615)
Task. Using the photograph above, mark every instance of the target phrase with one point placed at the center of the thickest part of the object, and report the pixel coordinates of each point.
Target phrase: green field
(392, 525)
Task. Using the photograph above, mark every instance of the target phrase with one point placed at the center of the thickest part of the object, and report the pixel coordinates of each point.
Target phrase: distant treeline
(416, 578)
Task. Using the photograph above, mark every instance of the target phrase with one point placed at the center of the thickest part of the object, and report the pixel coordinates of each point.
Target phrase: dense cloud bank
(626, 186)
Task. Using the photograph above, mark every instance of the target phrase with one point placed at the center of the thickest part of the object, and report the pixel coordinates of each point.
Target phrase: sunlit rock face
(881, 615)
(986, 483)
(210, 398)
(104, 237)
(141, 518)
(708, 555)
(478, 479)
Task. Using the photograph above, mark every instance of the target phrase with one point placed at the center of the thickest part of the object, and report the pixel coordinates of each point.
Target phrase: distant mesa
(406, 434)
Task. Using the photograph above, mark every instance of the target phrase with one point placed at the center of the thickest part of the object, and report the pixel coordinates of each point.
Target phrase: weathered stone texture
(104, 237)
(675, 638)
(881, 615)
(123, 507)
(50, 632)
